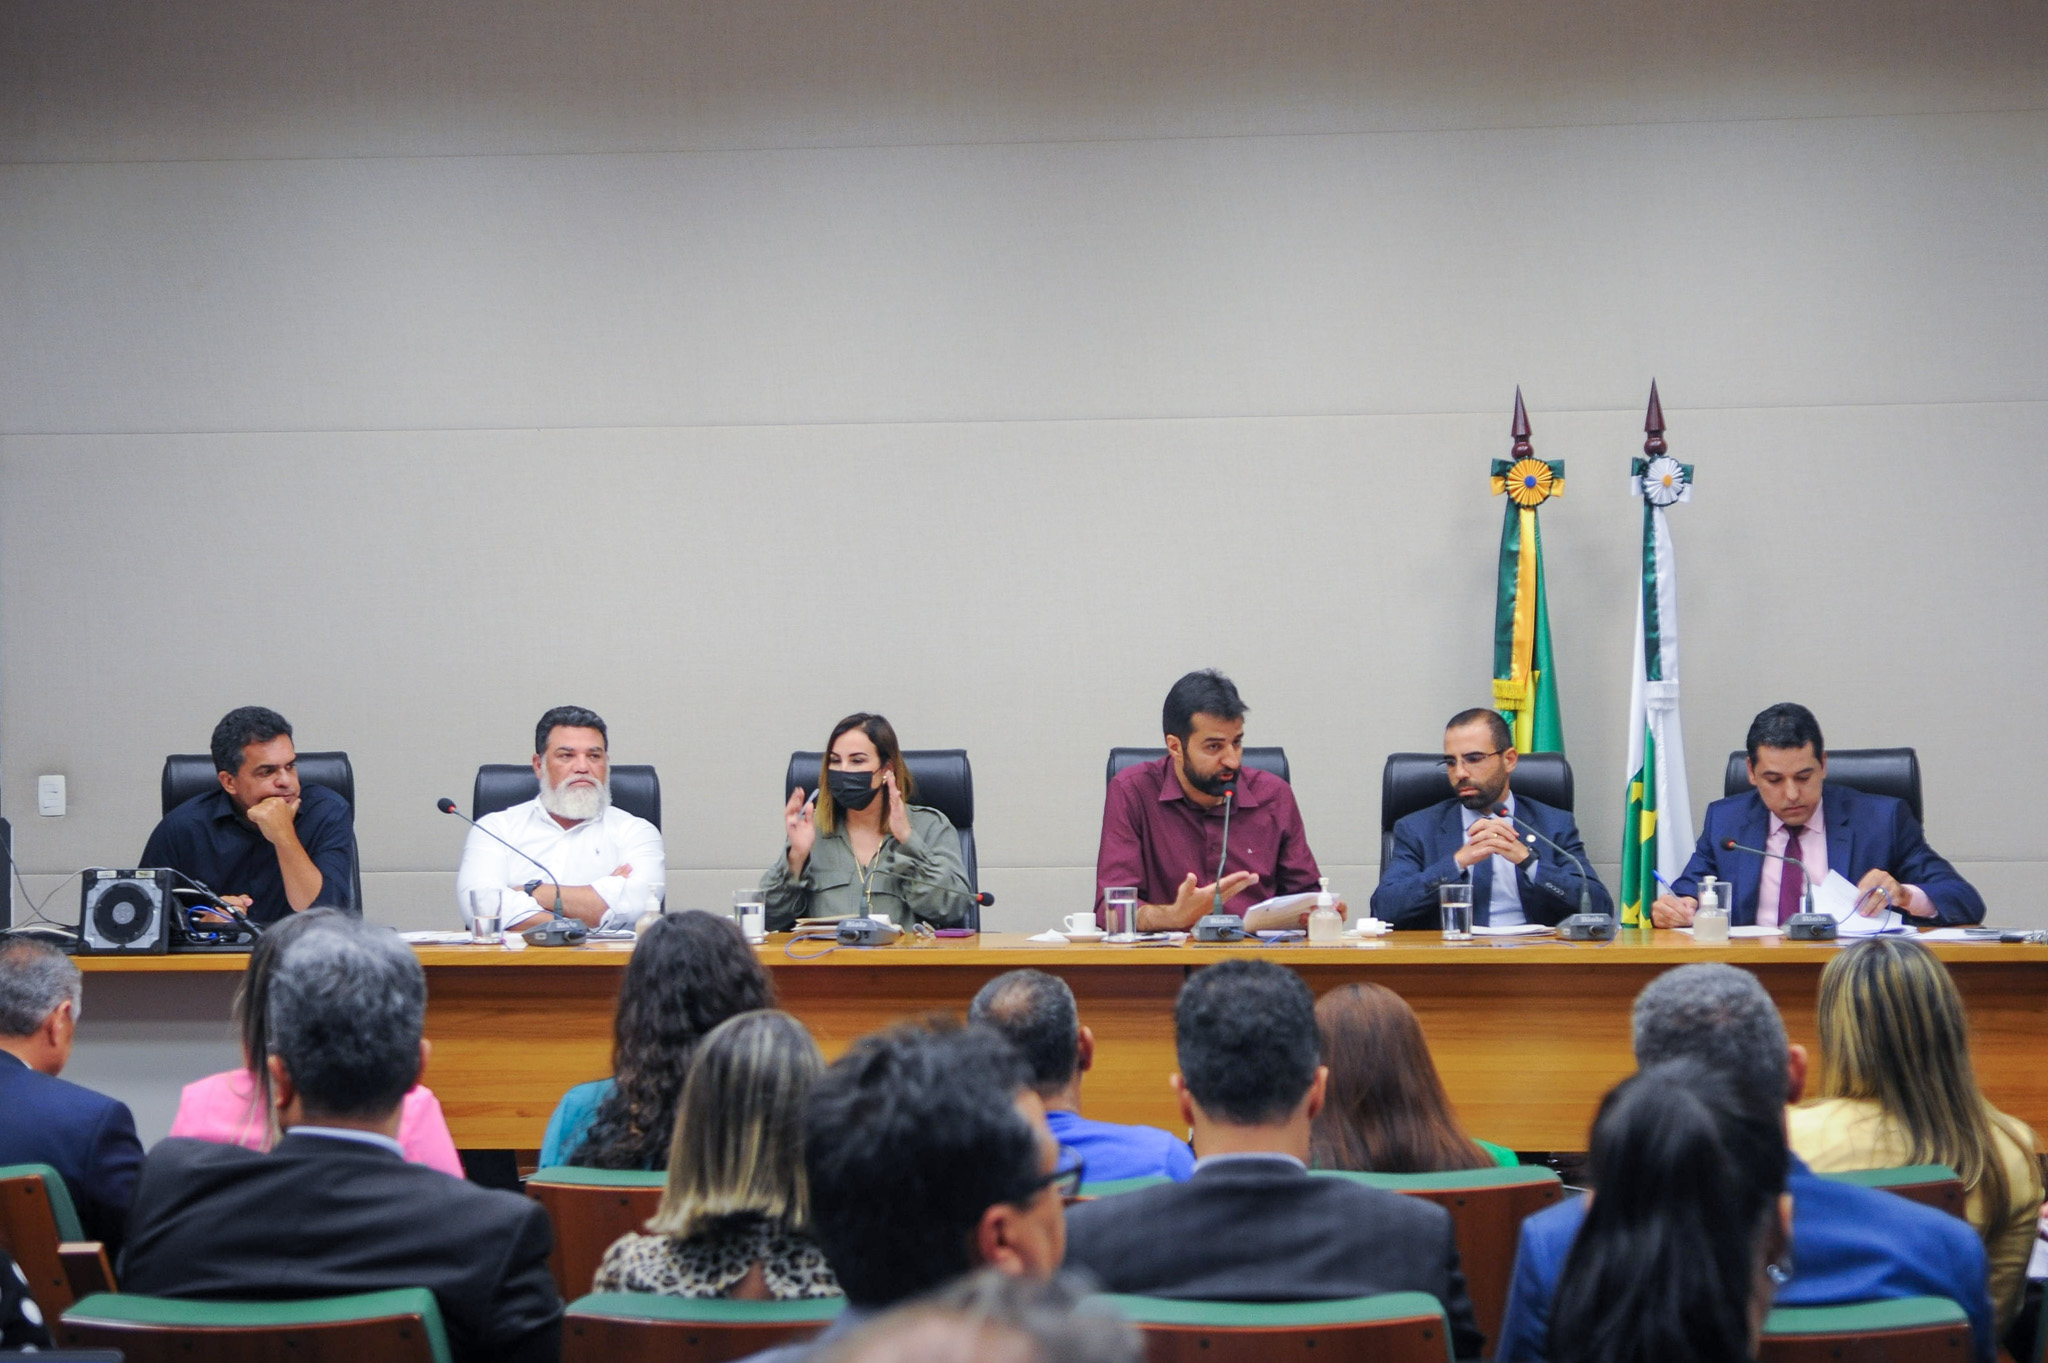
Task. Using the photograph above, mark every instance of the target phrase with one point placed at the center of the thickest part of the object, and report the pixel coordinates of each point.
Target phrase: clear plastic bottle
(1325, 924)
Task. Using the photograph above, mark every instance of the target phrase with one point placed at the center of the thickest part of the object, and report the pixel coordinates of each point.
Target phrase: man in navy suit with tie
(1462, 838)
(1793, 814)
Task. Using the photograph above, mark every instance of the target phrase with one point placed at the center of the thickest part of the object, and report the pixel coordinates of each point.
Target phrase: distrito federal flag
(1656, 834)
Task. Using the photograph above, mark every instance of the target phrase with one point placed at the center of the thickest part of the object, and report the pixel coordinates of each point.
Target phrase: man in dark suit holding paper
(1464, 837)
(1792, 813)
(1252, 1224)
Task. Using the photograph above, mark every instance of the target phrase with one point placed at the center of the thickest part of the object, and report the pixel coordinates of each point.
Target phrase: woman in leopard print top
(732, 1220)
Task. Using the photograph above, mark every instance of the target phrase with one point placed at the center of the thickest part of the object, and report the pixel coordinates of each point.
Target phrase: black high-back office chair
(1874, 771)
(1415, 780)
(1272, 761)
(187, 774)
(501, 785)
(940, 777)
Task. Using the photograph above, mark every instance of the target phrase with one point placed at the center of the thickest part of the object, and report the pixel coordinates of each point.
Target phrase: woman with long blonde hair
(1896, 1087)
(735, 1214)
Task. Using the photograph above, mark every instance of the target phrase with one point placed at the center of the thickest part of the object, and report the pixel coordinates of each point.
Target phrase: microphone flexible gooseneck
(981, 897)
(1805, 879)
(1229, 799)
(1535, 835)
(573, 931)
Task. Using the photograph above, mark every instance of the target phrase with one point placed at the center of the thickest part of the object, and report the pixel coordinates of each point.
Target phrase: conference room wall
(727, 369)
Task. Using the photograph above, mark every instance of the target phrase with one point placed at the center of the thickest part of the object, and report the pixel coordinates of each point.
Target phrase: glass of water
(1456, 902)
(750, 911)
(486, 923)
(1120, 913)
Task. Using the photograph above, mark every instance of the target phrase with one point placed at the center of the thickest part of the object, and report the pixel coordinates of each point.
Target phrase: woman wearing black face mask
(858, 846)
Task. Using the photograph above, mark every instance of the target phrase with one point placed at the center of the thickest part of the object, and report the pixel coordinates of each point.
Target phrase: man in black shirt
(261, 841)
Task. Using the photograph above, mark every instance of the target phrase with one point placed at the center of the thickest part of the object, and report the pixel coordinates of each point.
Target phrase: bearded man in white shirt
(610, 863)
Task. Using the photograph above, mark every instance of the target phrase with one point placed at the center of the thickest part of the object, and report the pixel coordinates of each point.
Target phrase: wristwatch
(532, 885)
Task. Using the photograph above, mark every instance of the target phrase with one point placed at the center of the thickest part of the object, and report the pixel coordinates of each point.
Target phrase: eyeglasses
(1469, 759)
(1065, 1180)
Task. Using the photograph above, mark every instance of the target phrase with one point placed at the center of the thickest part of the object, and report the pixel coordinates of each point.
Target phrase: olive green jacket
(923, 879)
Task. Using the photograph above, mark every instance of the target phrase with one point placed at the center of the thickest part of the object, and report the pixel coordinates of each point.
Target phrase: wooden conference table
(1528, 1034)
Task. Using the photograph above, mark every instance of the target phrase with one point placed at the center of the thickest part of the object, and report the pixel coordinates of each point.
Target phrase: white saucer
(1097, 935)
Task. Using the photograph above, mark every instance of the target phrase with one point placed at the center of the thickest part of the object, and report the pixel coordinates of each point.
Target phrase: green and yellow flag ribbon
(1524, 684)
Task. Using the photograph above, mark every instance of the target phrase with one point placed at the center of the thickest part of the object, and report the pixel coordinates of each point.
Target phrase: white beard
(575, 802)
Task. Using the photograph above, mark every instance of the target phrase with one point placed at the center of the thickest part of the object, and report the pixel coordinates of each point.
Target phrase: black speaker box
(126, 913)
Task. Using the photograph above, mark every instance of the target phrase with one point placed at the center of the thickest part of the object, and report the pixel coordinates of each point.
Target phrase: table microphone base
(1809, 927)
(557, 932)
(1587, 927)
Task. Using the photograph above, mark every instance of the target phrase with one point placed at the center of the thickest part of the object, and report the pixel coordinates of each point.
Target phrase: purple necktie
(1791, 883)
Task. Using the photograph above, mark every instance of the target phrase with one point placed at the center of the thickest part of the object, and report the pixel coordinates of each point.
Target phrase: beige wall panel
(105, 80)
(1758, 264)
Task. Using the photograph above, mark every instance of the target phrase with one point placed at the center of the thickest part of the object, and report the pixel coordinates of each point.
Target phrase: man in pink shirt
(1793, 814)
(1162, 822)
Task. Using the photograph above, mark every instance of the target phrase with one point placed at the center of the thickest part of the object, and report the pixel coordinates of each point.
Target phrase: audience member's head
(689, 972)
(1245, 1034)
(347, 1005)
(928, 1155)
(738, 1144)
(40, 995)
(1892, 1029)
(1722, 1016)
(1386, 1108)
(252, 1002)
(1687, 1221)
(1035, 1013)
(993, 1317)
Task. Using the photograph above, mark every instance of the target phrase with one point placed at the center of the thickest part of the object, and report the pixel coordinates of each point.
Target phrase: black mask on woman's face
(851, 789)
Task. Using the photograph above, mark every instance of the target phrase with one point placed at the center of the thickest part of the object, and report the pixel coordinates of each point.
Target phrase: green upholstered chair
(1395, 1327)
(617, 1327)
(39, 1226)
(1903, 1330)
(1487, 1207)
(1936, 1185)
(399, 1326)
(591, 1208)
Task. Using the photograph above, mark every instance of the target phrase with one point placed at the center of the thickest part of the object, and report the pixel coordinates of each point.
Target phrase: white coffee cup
(1078, 922)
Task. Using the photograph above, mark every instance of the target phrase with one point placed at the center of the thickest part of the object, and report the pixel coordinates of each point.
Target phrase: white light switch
(49, 795)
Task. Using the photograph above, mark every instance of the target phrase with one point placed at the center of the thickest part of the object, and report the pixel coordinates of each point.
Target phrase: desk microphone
(562, 930)
(980, 898)
(1220, 926)
(1806, 926)
(1585, 925)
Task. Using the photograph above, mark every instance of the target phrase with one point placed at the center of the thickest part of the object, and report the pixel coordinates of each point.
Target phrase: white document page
(1836, 898)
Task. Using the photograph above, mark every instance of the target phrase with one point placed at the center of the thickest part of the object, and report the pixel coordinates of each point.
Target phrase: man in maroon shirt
(1162, 823)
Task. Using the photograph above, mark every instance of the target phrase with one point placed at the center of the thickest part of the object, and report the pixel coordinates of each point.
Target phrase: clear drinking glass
(1456, 902)
(1120, 913)
(486, 922)
(750, 911)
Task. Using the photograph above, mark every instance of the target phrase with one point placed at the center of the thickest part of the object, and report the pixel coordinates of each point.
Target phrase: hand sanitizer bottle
(1710, 919)
(1325, 924)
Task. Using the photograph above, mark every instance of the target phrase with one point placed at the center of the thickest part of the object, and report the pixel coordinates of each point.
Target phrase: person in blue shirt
(1035, 1013)
(1849, 1243)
